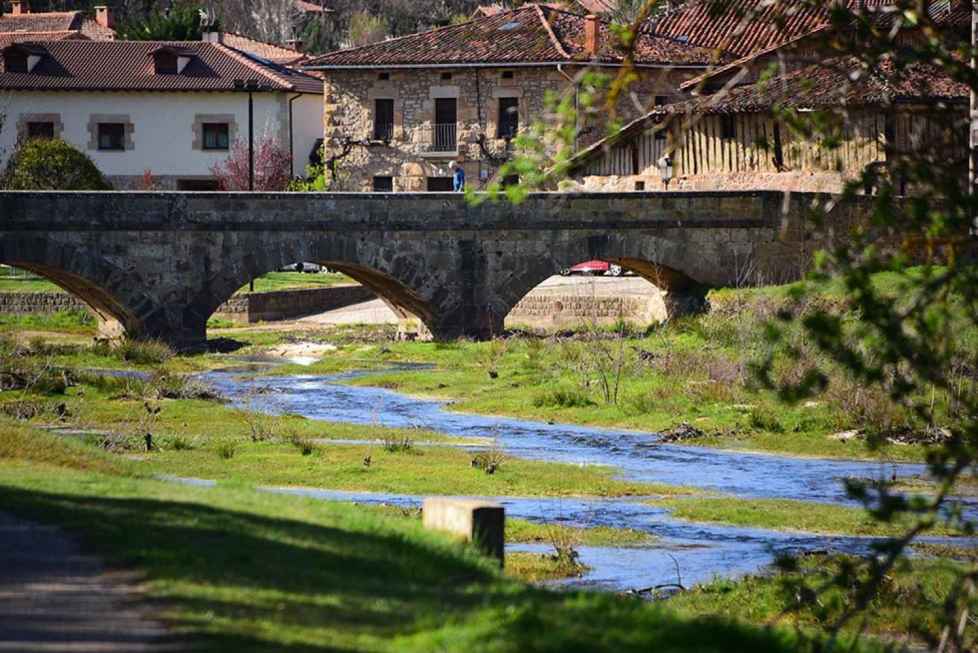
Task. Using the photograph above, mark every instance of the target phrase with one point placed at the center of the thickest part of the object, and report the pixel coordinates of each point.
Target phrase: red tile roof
(742, 27)
(55, 21)
(10, 38)
(279, 54)
(941, 11)
(532, 34)
(49, 21)
(840, 81)
(80, 65)
(837, 82)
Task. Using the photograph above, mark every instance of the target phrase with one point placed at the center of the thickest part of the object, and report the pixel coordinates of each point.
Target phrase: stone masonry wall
(804, 182)
(37, 303)
(349, 113)
(569, 311)
(256, 307)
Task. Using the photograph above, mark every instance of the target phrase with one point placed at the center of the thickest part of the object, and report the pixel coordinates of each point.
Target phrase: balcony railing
(383, 131)
(444, 138)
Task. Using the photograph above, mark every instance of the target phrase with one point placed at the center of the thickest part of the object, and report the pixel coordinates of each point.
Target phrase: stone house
(737, 139)
(727, 136)
(397, 113)
(169, 109)
(51, 25)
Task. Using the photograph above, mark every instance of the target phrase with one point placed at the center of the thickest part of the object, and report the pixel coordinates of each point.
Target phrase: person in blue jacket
(458, 177)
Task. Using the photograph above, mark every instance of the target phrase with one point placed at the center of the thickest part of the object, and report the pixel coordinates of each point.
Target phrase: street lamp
(250, 85)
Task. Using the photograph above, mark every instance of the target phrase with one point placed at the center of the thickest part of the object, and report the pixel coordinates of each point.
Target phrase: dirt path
(53, 597)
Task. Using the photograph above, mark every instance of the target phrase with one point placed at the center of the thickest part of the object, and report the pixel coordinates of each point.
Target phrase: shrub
(51, 164)
(271, 166)
(563, 398)
(143, 352)
(227, 449)
(180, 443)
(305, 446)
(765, 419)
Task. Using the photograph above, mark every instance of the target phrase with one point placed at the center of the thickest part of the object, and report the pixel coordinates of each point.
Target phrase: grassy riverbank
(786, 515)
(693, 371)
(232, 569)
(904, 613)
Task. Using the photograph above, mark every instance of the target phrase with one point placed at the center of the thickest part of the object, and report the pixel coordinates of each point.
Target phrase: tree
(911, 343)
(271, 167)
(181, 23)
(51, 164)
(366, 28)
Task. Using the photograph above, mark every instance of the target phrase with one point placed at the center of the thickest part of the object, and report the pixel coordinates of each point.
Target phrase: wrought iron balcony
(444, 138)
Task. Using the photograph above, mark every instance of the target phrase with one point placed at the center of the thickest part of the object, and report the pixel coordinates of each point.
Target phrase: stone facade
(162, 263)
(408, 157)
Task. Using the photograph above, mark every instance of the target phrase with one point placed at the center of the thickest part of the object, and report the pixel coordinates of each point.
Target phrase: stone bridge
(160, 263)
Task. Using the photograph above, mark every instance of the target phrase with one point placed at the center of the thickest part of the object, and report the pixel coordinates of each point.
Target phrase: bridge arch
(396, 277)
(660, 262)
(112, 294)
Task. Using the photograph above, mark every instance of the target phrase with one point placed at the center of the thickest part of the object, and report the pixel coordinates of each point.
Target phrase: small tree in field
(271, 166)
(51, 164)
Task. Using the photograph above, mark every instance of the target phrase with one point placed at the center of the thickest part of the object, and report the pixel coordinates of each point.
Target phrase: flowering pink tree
(271, 166)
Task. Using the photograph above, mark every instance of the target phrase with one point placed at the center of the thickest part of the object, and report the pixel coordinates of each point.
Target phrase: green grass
(26, 283)
(71, 322)
(523, 531)
(786, 515)
(232, 569)
(539, 567)
(208, 427)
(532, 381)
(911, 598)
(275, 281)
(432, 470)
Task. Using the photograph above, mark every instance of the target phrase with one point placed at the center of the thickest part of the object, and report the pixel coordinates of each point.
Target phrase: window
(15, 62)
(383, 77)
(216, 135)
(383, 184)
(728, 127)
(446, 76)
(40, 130)
(440, 185)
(507, 74)
(639, 185)
(446, 117)
(111, 136)
(509, 117)
(165, 63)
(383, 120)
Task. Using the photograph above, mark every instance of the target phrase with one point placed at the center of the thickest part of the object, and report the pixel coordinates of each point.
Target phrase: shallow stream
(700, 551)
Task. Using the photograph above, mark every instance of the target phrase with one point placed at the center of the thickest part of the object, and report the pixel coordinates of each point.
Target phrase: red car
(594, 268)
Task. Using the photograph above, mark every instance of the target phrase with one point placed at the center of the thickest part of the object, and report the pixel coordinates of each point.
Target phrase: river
(692, 551)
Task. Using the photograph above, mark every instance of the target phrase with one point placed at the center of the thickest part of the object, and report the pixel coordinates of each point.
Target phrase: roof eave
(500, 64)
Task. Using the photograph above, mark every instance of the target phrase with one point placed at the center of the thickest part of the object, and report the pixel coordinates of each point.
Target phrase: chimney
(591, 31)
(19, 7)
(104, 17)
(212, 37)
(295, 44)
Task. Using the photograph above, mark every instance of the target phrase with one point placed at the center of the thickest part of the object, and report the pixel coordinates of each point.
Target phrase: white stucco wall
(307, 120)
(163, 126)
